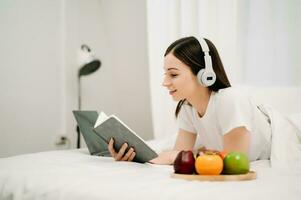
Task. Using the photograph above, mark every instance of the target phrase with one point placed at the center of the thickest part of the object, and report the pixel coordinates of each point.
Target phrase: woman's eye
(174, 75)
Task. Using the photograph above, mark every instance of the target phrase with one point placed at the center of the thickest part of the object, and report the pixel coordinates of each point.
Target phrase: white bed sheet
(74, 175)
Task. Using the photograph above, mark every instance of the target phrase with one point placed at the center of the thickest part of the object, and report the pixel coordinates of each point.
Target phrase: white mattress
(74, 174)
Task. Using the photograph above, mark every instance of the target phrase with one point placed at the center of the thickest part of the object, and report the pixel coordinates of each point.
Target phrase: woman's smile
(171, 92)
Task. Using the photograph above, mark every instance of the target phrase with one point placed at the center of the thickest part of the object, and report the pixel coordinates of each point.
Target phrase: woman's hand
(165, 158)
(185, 141)
(121, 155)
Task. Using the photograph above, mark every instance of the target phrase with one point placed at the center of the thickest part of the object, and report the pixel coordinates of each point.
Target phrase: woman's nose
(165, 82)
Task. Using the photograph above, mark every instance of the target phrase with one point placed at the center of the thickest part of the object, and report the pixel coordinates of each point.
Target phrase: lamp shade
(88, 62)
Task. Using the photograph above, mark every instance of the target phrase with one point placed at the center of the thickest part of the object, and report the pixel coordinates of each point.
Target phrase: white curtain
(258, 41)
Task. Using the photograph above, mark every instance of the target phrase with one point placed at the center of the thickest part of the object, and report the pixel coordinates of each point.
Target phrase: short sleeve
(185, 119)
(233, 110)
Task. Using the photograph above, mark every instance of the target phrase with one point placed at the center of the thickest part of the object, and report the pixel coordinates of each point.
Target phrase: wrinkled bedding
(286, 141)
(74, 174)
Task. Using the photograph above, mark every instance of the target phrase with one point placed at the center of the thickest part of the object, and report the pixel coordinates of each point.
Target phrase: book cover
(86, 121)
(113, 127)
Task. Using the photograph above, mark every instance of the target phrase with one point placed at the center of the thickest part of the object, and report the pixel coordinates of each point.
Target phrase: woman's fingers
(121, 152)
(121, 156)
(132, 156)
(128, 154)
(111, 148)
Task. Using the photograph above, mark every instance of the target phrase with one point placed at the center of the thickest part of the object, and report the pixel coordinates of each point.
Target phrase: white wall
(258, 41)
(30, 75)
(116, 32)
(38, 66)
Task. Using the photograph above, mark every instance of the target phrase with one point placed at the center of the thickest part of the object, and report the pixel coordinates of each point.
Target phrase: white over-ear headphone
(206, 76)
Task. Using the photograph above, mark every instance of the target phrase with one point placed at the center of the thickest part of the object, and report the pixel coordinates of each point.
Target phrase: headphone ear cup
(200, 75)
(209, 78)
(206, 78)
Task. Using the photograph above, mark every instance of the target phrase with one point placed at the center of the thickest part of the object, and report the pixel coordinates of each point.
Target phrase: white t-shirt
(228, 109)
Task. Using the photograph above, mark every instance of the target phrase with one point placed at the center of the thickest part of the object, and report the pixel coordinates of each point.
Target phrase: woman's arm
(185, 141)
(238, 139)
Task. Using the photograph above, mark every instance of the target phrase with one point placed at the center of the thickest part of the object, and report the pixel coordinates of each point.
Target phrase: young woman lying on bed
(208, 107)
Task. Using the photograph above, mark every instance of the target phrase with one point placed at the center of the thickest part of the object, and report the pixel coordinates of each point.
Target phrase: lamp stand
(79, 108)
(90, 65)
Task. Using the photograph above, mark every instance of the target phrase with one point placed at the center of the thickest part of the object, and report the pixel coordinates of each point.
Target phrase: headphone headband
(204, 45)
(206, 76)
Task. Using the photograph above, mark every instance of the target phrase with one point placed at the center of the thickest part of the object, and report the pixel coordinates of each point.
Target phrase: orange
(209, 164)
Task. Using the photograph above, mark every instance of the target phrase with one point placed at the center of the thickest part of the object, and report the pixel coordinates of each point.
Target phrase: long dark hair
(189, 51)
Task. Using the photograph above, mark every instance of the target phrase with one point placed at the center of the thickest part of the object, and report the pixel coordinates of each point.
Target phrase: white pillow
(296, 120)
(286, 99)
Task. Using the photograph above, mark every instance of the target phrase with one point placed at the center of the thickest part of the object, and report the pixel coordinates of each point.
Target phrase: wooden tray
(241, 177)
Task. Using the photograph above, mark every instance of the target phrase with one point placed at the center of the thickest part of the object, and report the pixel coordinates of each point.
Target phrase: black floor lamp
(88, 65)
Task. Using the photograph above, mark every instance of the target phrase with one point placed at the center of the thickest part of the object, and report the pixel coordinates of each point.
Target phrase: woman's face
(178, 78)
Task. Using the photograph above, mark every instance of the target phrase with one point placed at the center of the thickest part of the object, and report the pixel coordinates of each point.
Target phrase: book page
(100, 119)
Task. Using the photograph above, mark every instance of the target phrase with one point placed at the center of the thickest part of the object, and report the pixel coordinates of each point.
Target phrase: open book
(108, 127)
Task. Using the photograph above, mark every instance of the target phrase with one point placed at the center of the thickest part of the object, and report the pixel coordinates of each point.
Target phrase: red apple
(184, 163)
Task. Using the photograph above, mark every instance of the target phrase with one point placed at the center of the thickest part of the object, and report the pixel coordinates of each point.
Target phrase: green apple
(236, 163)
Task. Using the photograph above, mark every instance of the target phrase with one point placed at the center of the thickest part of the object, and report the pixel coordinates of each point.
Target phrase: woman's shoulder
(187, 107)
(230, 92)
(230, 95)
(186, 111)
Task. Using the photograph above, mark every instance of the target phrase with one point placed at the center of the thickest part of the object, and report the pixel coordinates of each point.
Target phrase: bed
(74, 174)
